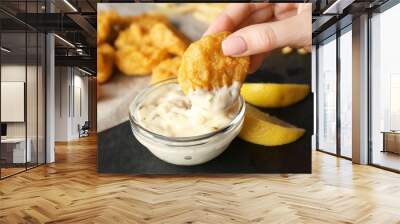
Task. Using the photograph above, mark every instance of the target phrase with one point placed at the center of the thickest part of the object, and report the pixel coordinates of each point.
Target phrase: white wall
(12, 100)
(61, 103)
(80, 101)
(15, 72)
(70, 83)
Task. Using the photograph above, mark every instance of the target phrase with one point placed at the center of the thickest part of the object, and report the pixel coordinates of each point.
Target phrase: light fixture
(337, 7)
(70, 5)
(64, 40)
(5, 50)
(84, 71)
(79, 51)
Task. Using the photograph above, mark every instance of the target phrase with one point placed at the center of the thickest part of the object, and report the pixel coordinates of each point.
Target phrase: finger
(284, 7)
(256, 61)
(307, 48)
(284, 11)
(232, 16)
(303, 7)
(286, 14)
(259, 16)
(265, 37)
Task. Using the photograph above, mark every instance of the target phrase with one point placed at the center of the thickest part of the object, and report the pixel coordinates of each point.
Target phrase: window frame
(334, 37)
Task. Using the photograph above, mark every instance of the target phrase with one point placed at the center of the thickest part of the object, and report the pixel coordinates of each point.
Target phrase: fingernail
(234, 45)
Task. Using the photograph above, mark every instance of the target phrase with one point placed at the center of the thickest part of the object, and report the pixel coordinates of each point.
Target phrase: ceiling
(72, 20)
(332, 15)
(75, 21)
(39, 6)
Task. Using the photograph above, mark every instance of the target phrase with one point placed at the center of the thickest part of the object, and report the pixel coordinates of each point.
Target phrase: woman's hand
(258, 28)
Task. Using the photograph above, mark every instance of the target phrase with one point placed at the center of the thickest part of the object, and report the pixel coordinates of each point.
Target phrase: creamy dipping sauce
(168, 111)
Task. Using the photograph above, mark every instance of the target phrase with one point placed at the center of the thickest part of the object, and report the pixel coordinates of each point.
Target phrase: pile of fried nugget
(146, 44)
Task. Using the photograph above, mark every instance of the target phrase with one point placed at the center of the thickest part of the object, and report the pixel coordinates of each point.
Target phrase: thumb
(294, 31)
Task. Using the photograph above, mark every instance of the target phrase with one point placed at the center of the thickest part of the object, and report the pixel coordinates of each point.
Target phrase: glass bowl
(185, 151)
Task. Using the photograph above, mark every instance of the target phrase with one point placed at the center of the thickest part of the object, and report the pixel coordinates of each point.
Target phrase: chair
(84, 130)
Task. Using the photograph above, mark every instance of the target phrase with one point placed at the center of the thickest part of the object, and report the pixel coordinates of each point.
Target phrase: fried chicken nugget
(134, 60)
(105, 23)
(105, 60)
(153, 30)
(137, 32)
(166, 36)
(204, 66)
(166, 69)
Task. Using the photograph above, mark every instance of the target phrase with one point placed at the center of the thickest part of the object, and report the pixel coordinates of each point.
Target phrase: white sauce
(167, 111)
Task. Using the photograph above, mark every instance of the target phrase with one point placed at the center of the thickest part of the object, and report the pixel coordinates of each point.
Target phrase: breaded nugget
(134, 60)
(135, 35)
(166, 36)
(166, 69)
(153, 30)
(105, 61)
(105, 22)
(204, 66)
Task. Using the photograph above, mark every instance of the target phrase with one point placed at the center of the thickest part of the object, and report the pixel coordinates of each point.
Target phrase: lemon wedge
(273, 94)
(264, 129)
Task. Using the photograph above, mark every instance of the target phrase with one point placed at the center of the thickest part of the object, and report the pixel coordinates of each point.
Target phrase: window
(327, 96)
(22, 77)
(15, 146)
(385, 89)
(346, 75)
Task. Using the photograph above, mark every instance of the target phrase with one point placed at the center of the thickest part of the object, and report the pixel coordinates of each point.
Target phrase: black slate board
(120, 152)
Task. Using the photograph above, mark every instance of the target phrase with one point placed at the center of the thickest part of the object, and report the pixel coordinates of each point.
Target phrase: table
(17, 150)
(391, 141)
